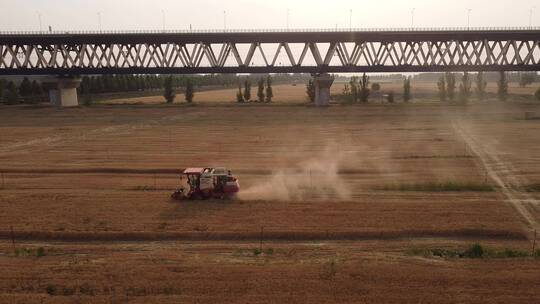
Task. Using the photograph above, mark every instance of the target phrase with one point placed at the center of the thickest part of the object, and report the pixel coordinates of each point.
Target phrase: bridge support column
(63, 92)
(323, 82)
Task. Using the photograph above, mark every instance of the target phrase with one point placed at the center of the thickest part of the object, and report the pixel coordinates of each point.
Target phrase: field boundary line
(472, 234)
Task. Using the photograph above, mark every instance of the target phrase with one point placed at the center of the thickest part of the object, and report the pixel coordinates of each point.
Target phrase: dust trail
(317, 177)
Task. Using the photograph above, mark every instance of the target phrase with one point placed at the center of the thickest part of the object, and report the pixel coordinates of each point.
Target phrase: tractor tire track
(505, 177)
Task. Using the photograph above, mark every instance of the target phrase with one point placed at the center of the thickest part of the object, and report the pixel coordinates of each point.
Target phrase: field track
(505, 177)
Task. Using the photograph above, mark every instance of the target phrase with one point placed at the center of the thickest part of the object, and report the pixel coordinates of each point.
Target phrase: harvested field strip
(439, 187)
(154, 171)
(433, 157)
(533, 188)
(255, 236)
(475, 251)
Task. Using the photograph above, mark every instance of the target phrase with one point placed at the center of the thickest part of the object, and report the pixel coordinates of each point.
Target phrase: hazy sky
(252, 14)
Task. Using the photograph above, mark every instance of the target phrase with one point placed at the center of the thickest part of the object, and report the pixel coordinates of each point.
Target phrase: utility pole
(39, 19)
(350, 20)
(163, 19)
(412, 18)
(531, 16)
(288, 12)
(99, 20)
(469, 18)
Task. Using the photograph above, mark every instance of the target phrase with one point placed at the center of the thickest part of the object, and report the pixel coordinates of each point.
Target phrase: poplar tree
(407, 89)
(451, 86)
(310, 90)
(190, 91)
(465, 87)
(260, 90)
(481, 85)
(364, 88)
(247, 90)
(169, 93)
(269, 89)
(442, 89)
(502, 87)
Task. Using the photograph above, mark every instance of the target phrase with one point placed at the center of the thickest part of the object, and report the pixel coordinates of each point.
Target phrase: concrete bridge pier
(323, 82)
(63, 91)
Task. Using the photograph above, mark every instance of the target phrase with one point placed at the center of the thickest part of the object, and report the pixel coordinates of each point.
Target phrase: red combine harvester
(207, 183)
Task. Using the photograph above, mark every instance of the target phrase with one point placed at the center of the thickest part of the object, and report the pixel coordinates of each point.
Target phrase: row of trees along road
(447, 85)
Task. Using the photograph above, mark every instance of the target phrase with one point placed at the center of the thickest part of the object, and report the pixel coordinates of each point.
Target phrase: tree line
(170, 90)
(359, 89)
(26, 91)
(522, 78)
(265, 92)
(134, 83)
(449, 90)
(451, 87)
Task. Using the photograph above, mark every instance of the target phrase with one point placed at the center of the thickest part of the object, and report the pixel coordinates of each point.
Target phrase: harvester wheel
(178, 195)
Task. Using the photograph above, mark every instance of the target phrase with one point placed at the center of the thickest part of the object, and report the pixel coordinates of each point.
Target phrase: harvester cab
(207, 183)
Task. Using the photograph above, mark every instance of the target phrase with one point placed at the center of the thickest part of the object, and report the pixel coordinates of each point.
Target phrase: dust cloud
(316, 178)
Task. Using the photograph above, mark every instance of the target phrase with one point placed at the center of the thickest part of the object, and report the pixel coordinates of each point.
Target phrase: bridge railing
(304, 30)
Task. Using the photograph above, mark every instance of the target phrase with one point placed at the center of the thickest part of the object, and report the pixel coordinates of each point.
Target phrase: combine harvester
(207, 183)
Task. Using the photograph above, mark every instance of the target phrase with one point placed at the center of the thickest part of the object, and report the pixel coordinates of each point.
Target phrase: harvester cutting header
(207, 183)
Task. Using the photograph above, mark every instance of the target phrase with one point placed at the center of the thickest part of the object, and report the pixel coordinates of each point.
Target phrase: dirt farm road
(503, 174)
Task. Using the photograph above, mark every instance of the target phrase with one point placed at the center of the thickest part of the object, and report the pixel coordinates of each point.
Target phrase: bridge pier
(323, 82)
(63, 92)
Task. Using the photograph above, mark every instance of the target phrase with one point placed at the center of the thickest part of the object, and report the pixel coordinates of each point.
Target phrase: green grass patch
(440, 187)
(51, 290)
(30, 252)
(254, 252)
(328, 270)
(435, 157)
(533, 188)
(475, 251)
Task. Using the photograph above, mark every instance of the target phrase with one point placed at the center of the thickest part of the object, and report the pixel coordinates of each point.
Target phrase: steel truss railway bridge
(270, 51)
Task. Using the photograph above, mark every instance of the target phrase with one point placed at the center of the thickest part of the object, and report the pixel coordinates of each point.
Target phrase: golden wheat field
(375, 203)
